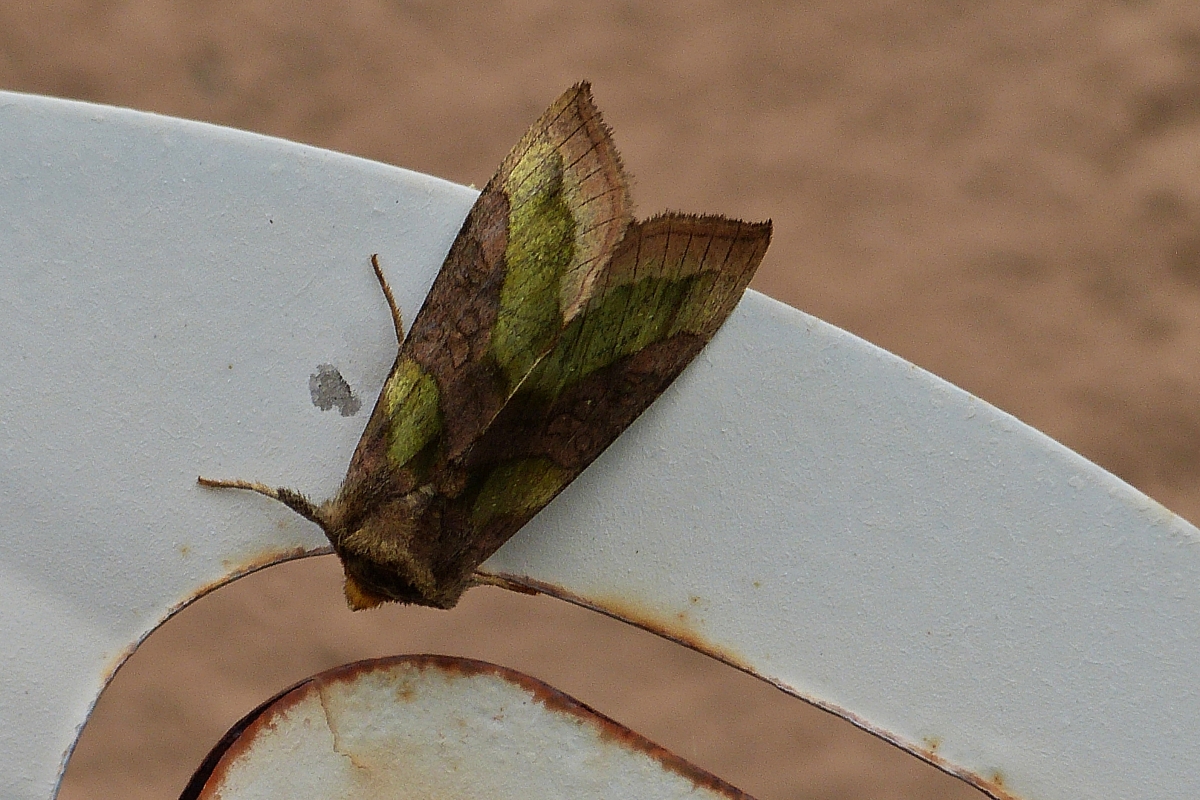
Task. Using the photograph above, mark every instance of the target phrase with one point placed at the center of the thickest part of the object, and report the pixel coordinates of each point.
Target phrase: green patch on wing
(705, 298)
(619, 324)
(517, 488)
(412, 410)
(671, 275)
(541, 244)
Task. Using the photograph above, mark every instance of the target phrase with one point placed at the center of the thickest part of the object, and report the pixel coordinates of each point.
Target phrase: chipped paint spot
(329, 390)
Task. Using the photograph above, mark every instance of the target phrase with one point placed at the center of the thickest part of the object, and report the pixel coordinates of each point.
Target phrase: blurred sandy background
(1007, 194)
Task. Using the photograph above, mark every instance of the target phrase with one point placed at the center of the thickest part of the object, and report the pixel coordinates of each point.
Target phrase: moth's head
(384, 545)
(383, 555)
(369, 584)
(359, 596)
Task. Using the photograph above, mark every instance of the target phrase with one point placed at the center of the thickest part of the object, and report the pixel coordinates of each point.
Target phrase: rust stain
(677, 631)
(209, 777)
(237, 740)
(234, 570)
(992, 785)
(405, 692)
(107, 671)
(114, 664)
(243, 567)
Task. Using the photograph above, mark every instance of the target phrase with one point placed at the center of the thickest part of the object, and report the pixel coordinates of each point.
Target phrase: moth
(555, 321)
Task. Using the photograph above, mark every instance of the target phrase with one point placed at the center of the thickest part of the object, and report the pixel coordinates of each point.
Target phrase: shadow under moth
(555, 321)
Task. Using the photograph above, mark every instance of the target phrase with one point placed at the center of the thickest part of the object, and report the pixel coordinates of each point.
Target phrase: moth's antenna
(387, 292)
(289, 497)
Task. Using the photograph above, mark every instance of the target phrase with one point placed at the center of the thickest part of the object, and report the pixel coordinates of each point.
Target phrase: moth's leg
(387, 292)
(289, 497)
(479, 578)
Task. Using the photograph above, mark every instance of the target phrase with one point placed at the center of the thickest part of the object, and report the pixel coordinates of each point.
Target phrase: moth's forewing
(522, 264)
(669, 286)
(525, 262)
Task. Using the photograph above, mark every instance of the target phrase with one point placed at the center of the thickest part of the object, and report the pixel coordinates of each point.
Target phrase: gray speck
(328, 389)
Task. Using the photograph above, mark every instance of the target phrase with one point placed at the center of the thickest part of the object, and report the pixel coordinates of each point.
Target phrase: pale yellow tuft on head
(360, 597)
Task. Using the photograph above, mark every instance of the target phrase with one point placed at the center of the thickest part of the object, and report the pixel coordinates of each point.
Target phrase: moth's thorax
(384, 547)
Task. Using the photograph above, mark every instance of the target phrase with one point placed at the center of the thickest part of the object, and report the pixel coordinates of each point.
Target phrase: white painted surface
(828, 515)
(416, 729)
(167, 290)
